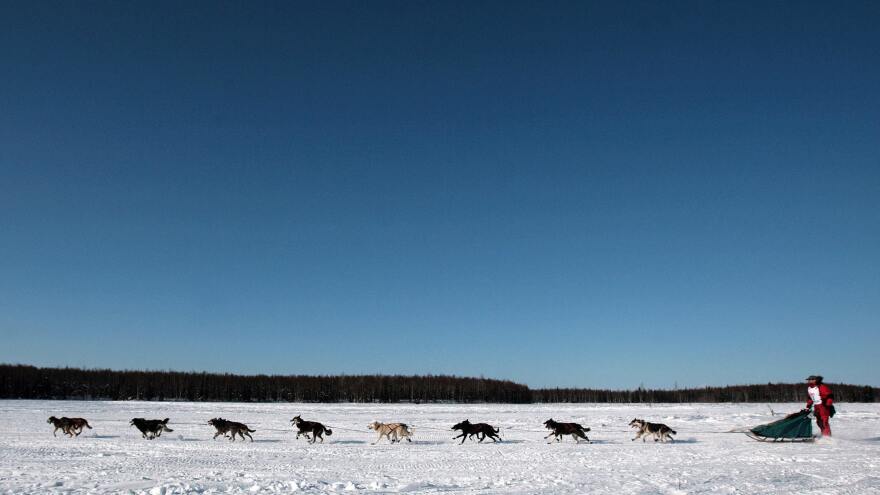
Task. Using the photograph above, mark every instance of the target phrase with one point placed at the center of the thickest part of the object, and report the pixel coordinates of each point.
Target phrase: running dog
(392, 431)
(561, 429)
(481, 430)
(305, 427)
(69, 426)
(77, 424)
(62, 424)
(151, 428)
(661, 432)
(232, 428)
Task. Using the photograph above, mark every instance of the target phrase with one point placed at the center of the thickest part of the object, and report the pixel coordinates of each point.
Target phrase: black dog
(561, 429)
(151, 428)
(481, 430)
(305, 427)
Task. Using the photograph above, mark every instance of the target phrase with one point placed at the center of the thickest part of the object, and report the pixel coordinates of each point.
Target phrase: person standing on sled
(821, 400)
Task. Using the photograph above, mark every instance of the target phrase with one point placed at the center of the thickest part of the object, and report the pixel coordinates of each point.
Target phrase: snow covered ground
(113, 458)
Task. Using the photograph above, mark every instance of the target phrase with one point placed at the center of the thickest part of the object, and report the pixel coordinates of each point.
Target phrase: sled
(796, 427)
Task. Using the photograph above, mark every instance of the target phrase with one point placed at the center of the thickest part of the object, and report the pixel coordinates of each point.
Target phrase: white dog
(394, 432)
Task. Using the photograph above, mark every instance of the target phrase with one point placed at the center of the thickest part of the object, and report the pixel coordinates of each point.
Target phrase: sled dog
(151, 428)
(643, 428)
(62, 424)
(304, 427)
(394, 432)
(69, 426)
(558, 430)
(481, 430)
(232, 428)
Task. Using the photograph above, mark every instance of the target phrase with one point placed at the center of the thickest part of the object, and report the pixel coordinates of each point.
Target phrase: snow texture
(113, 458)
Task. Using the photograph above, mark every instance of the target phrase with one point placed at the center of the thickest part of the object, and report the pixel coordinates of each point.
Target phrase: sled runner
(796, 427)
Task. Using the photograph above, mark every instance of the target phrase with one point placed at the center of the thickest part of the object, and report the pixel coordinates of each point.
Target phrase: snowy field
(113, 458)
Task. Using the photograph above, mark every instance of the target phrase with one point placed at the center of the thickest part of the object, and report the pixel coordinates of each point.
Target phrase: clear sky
(574, 194)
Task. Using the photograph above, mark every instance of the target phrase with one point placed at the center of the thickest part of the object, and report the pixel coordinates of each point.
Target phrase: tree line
(770, 392)
(30, 382)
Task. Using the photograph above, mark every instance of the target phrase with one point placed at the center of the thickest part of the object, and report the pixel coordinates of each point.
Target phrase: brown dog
(70, 426)
(62, 424)
(232, 428)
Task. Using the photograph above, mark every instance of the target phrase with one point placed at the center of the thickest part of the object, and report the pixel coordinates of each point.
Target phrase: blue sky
(573, 194)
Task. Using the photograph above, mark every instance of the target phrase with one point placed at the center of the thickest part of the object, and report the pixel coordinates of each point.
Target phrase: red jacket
(824, 394)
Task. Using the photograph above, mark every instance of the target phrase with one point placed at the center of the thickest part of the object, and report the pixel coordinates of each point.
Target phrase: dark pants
(822, 416)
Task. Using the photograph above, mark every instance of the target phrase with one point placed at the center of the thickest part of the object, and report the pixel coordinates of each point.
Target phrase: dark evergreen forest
(30, 382)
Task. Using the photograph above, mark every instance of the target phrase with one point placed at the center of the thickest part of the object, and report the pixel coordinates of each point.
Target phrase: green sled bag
(795, 426)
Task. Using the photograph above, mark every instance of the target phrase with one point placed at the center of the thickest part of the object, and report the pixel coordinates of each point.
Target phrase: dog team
(393, 432)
